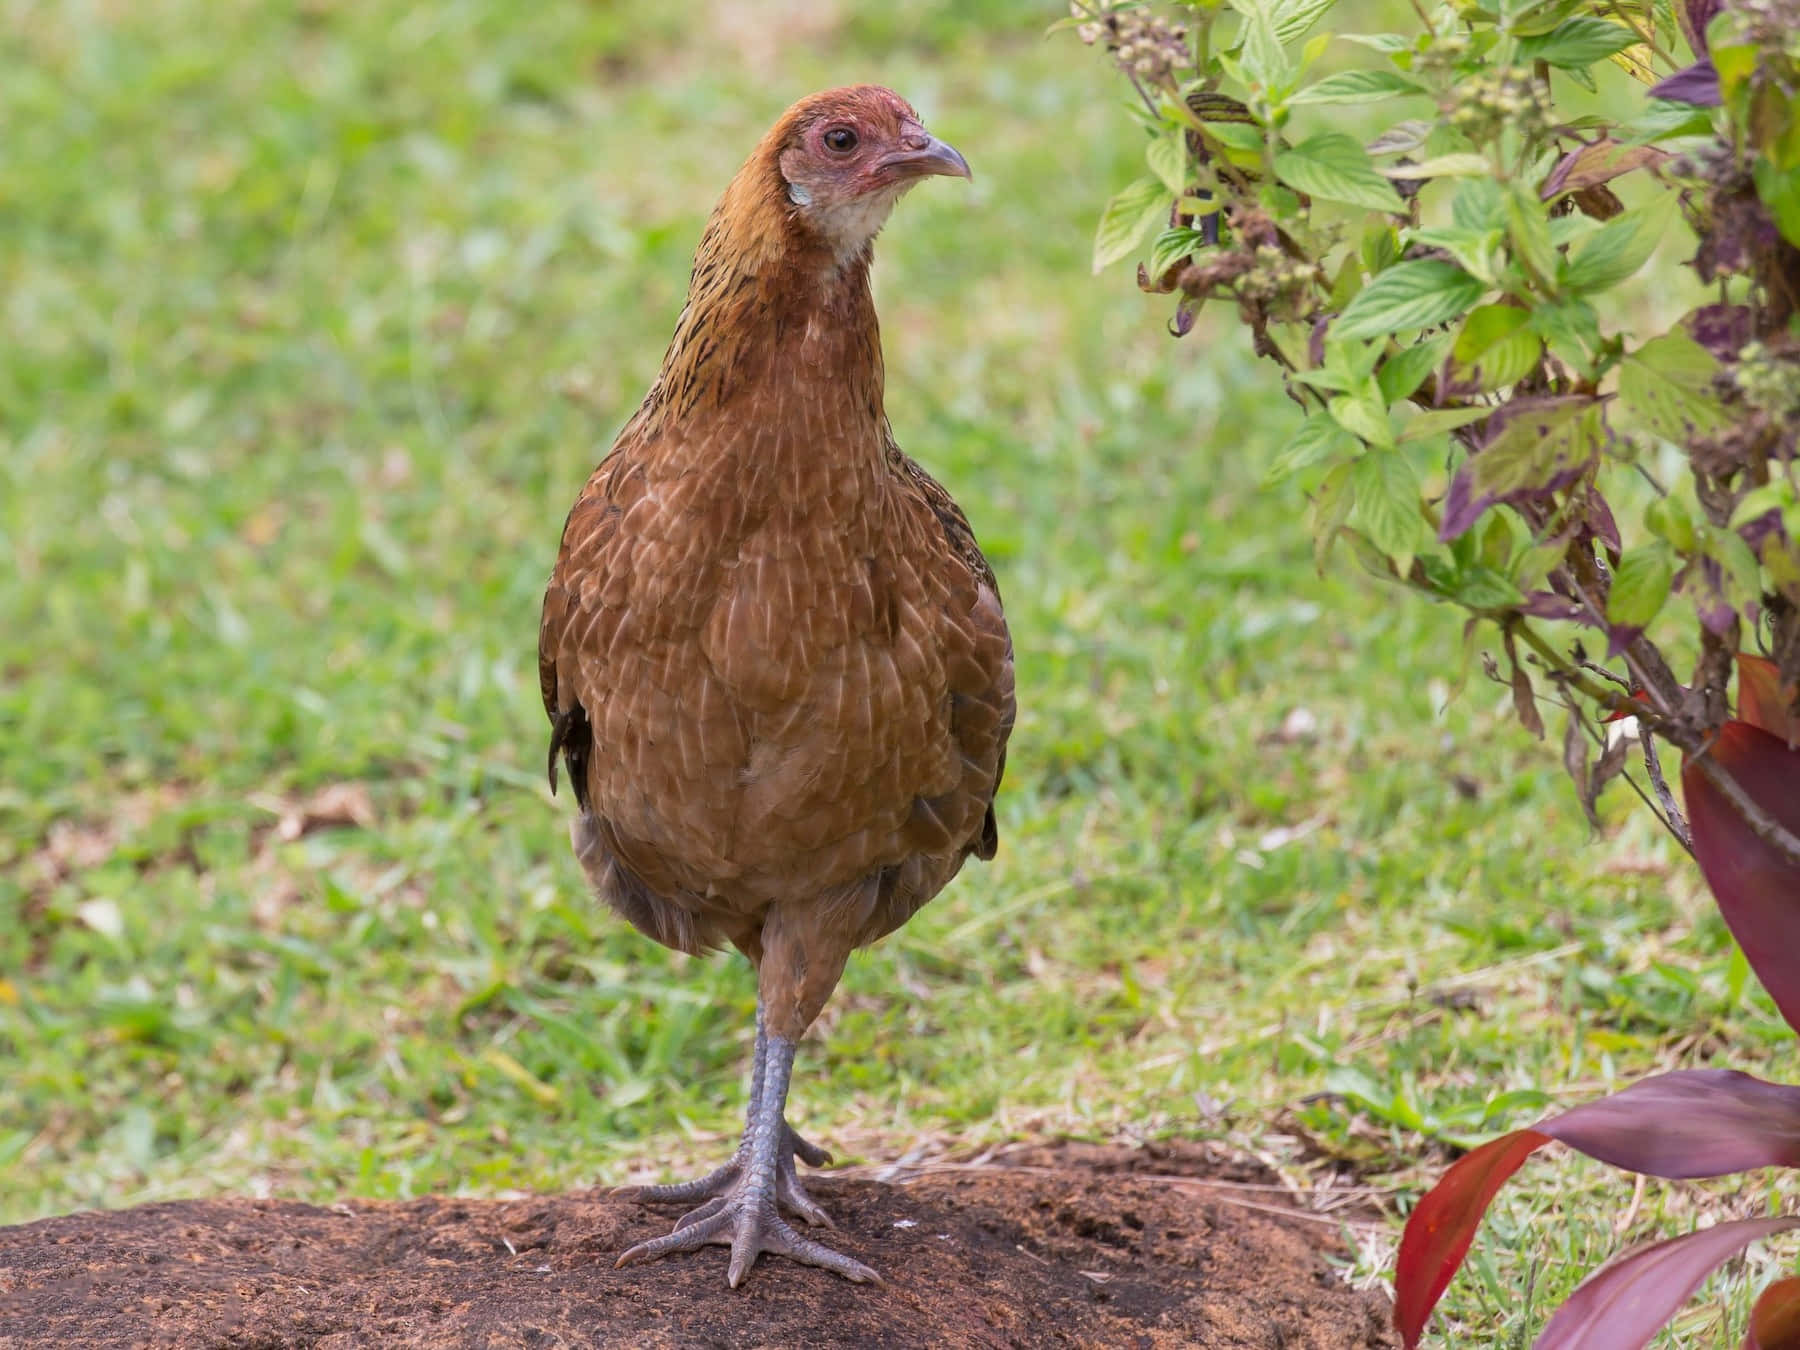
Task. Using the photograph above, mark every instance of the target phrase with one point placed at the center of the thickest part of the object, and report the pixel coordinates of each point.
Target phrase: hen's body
(772, 653)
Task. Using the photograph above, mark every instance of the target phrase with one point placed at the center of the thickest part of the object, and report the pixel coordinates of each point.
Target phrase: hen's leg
(744, 1217)
(715, 1187)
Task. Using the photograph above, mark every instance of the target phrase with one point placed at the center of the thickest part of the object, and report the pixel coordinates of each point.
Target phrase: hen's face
(852, 153)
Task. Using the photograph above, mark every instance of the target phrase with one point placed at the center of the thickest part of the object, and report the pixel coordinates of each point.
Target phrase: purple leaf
(1591, 165)
(1722, 329)
(1697, 84)
(1550, 605)
(1600, 521)
(1763, 701)
(1443, 1224)
(1627, 1301)
(1690, 1123)
(1462, 508)
(1693, 16)
(1775, 1320)
(1756, 885)
(1619, 637)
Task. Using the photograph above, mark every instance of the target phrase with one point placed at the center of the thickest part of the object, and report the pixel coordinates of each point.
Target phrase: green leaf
(1728, 549)
(1460, 165)
(1261, 54)
(1169, 161)
(1237, 136)
(1318, 439)
(1409, 295)
(1335, 167)
(1363, 418)
(1475, 251)
(1436, 421)
(1171, 247)
(1402, 136)
(1293, 17)
(1780, 192)
(1667, 386)
(1127, 218)
(1484, 588)
(1640, 585)
(1776, 495)
(1478, 205)
(1528, 226)
(1538, 445)
(1496, 347)
(1577, 44)
(1405, 371)
(1621, 246)
(1330, 508)
(1355, 86)
(1668, 518)
(1387, 505)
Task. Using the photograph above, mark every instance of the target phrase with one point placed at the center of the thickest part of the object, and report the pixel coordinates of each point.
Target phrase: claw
(749, 1227)
(717, 1185)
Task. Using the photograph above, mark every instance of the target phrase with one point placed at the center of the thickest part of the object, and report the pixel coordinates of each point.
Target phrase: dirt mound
(1071, 1248)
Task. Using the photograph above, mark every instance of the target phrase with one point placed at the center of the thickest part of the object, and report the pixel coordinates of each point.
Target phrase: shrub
(1451, 306)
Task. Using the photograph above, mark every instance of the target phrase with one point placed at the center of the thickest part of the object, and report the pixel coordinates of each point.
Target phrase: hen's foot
(717, 1186)
(744, 1218)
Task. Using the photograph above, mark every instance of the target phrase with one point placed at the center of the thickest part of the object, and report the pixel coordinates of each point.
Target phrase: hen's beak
(926, 154)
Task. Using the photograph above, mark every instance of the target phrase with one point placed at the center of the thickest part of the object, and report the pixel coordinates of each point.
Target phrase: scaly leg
(744, 1217)
(716, 1186)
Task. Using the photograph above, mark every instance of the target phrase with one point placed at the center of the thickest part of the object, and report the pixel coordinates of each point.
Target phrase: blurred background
(316, 315)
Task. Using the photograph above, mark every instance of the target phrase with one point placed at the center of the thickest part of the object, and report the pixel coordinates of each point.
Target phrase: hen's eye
(840, 139)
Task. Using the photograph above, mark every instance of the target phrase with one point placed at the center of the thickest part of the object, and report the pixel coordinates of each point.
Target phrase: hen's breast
(783, 700)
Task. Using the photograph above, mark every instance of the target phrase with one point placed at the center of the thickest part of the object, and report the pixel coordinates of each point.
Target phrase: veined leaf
(1443, 1224)
(1688, 1123)
(1436, 421)
(1406, 370)
(1318, 439)
(1495, 347)
(1621, 246)
(1756, 885)
(1640, 585)
(1387, 505)
(1667, 385)
(1462, 164)
(1528, 226)
(1127, 218)
(1168, 159)
(1577, 44)
(1334, 166)
(1626, 1302)
(1354, 86)
(1763, 701)
(1409, 295)
(1291, 18)
(1171, 247)
(1362, 417)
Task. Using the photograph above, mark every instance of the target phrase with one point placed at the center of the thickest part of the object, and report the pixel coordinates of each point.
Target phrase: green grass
(316, 315)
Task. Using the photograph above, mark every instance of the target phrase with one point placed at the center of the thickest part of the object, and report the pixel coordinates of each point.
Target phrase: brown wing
(982, 696)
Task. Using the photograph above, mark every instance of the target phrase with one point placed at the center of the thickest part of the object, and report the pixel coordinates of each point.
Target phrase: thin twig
(1675, 821)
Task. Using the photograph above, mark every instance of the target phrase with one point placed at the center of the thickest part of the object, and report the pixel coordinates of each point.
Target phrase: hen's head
(846, 155)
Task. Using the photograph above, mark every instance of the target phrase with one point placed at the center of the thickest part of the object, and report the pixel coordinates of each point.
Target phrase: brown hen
(772, 654)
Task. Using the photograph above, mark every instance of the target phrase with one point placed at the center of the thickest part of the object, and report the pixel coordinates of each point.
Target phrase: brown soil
(1072, 1246)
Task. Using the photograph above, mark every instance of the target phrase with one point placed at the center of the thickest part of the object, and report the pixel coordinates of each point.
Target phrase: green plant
(1450, 305)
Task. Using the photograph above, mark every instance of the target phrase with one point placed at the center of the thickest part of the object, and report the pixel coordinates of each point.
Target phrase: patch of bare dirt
(1060, 1250)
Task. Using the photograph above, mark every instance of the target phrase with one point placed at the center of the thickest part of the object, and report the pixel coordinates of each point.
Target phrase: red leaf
(1624, 1303)
(1443, 1224)
(1775, 1320)
(1690, 1123)
(1757, 886)
(1763, 701)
